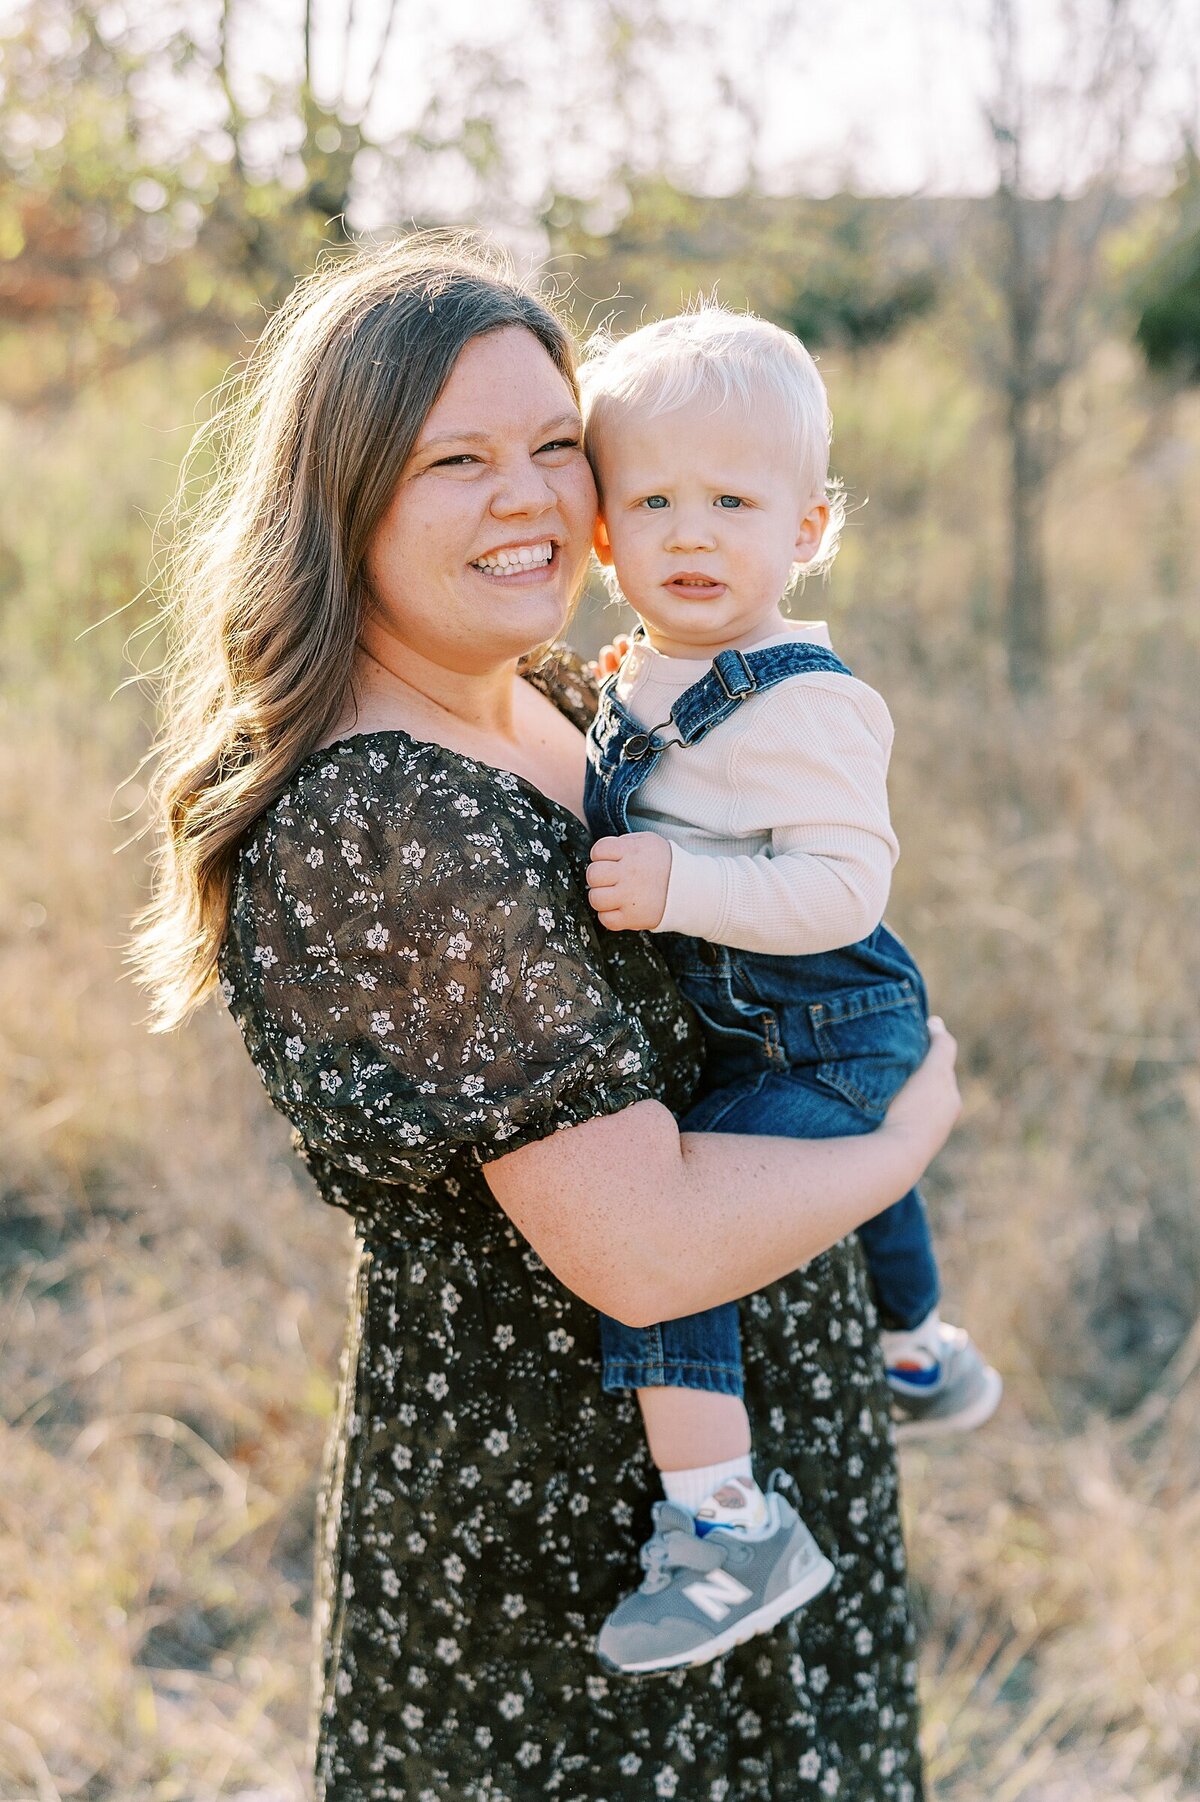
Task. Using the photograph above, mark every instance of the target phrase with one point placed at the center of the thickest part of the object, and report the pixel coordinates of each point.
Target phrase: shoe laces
(674, 1550)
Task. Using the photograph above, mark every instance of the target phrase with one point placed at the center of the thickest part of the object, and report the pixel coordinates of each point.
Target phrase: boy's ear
(600, 544)
(811, 532)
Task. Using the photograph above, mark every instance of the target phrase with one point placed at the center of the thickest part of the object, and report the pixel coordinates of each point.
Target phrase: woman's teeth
(529, 556)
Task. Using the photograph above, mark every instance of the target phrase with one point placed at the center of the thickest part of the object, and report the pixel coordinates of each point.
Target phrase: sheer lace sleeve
(417, 972)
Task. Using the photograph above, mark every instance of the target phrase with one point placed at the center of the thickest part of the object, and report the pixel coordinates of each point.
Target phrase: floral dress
(422, 986)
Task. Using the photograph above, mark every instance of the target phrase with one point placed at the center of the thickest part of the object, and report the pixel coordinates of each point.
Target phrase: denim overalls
(807, 1047)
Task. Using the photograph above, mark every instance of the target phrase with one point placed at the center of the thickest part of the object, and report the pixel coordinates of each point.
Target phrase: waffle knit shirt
(778, 819)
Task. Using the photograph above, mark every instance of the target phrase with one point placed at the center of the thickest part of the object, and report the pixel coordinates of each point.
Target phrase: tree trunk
(1027, 613)
(1023, 291)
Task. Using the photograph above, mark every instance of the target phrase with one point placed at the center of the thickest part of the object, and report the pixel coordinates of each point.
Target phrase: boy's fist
(627, 881)
(610, 657)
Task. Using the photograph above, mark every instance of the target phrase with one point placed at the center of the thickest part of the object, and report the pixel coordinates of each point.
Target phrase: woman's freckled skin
(499, 462)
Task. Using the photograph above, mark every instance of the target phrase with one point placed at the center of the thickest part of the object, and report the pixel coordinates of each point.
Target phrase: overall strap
(736, 675)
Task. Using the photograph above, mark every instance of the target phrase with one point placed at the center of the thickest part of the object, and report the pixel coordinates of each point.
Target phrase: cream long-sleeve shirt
(778, 819)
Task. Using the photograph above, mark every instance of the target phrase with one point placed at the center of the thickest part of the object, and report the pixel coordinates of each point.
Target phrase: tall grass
(173, 1293)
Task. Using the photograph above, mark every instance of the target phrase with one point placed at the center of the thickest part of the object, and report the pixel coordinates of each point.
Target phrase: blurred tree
(156, 181)
(858, 292)
(1166, 295)
(1066, 130)
(840, 271)
(123, 227)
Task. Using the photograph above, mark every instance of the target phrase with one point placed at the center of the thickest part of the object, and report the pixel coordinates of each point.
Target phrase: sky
(791, 96)
(888, 95)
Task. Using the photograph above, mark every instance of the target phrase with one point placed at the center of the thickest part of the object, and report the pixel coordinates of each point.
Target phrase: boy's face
(702, 517)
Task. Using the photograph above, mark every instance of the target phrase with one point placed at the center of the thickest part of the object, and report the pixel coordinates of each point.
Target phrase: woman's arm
(647, 1223)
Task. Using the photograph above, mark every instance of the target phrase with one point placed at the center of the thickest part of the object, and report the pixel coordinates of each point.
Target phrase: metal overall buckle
(640, 744)
(734, 674)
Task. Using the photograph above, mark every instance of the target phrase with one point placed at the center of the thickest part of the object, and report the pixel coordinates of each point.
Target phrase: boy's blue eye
(657, 501)
(730, 501)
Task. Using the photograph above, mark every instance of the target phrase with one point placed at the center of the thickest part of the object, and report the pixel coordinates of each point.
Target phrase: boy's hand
(610, 657)
(627, 881)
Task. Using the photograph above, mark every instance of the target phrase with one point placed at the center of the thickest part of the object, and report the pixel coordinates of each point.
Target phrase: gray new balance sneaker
(701, 1597)
(939, 1380)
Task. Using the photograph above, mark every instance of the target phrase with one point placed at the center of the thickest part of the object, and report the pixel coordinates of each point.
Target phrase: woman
(373, 821)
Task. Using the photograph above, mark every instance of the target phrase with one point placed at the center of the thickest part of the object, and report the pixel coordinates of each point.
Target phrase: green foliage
(843, 272)
(95, 223)
(1167, 294)
(857, 292)
(122, 230)
(853, 314)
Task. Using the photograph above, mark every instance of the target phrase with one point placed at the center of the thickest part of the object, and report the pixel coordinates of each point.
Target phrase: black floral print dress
(419, 979)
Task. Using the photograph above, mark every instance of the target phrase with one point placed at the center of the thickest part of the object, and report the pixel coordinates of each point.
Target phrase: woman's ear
(811, 532)
(600, 544)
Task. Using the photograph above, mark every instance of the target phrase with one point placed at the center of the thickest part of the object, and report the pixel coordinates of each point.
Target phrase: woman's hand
(925, 1108)
(646, 1224)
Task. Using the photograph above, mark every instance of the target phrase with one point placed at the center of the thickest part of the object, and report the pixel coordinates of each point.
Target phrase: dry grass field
(173, 1292)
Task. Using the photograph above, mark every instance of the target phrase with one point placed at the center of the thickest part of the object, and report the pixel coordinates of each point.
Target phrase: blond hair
(265, 584)
(711, 353)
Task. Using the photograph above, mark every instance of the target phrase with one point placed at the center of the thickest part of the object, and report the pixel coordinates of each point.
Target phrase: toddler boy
(737, 787)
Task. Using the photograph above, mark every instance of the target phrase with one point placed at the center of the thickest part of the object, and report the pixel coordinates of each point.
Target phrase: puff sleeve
(417, 976)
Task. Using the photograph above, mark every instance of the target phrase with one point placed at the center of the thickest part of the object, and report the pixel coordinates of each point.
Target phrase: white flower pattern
(485, 1500)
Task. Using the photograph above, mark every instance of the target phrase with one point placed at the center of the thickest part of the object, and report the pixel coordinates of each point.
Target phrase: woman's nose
(522, 489)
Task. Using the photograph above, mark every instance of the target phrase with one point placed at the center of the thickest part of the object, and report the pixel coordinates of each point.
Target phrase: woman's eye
(558, 444)
(656, 502)
(454, 462)
(730, 501)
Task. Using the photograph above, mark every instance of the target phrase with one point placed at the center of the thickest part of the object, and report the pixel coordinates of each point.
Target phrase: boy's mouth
(690, 586)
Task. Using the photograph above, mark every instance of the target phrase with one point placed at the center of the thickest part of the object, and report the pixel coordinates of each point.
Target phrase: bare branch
(385, 41)
(235, 119)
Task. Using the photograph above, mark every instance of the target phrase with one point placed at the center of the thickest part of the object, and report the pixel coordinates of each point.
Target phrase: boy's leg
(686, 1428)
(727, 1559)
(939, 1380)
(898, 1248)
(687, 1374)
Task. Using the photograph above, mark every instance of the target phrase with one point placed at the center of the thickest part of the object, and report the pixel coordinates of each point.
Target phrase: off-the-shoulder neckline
(489, 771)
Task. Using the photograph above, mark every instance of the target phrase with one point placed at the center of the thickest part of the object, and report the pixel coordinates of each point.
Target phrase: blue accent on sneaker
(700, 1597)
(916, 1379)
(966, 1396)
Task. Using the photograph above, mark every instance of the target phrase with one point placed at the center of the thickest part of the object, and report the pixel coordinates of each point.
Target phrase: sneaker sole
(933, 1426)
(819, 1577)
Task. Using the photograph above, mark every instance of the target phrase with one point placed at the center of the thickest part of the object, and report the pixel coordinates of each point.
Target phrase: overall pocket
(741, 1035)
(869, 1041)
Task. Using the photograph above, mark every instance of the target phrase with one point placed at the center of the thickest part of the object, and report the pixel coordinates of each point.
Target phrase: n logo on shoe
(716, 1594)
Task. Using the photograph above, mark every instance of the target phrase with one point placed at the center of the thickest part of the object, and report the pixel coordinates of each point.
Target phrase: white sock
(689, 1488)
(925, 1334)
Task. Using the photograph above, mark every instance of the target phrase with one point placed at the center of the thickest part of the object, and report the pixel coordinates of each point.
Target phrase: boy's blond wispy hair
(709, 352)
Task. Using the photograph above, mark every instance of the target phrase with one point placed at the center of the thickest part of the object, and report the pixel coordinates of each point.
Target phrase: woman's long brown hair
(264, 584)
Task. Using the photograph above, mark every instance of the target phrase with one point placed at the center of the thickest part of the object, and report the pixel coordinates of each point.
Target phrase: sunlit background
(984, 218)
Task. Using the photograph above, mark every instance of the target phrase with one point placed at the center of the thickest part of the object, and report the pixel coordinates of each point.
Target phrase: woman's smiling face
(486, 537)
